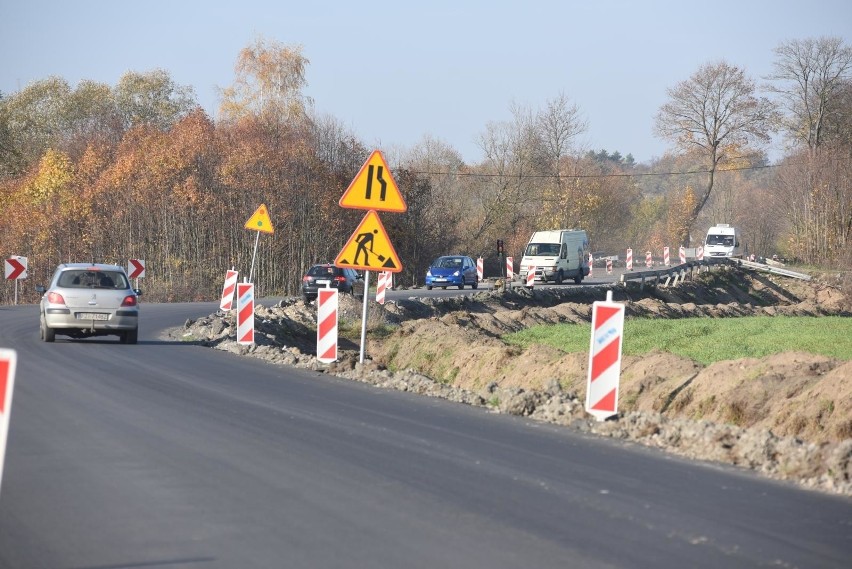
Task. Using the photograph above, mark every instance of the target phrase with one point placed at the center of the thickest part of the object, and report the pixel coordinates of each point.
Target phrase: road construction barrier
(510, 268)
(699, 253)
(609, 266)
(591, 263)
(228, 290)
(327, 305)
(666, 258)
(531, 276)
(649, 259)
(605, 358)
(479, 269)
(629, 260)
(682, 253)
(383, 282)
(245, 313)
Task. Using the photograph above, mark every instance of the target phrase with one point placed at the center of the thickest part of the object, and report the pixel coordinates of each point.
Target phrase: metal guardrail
(680, 272)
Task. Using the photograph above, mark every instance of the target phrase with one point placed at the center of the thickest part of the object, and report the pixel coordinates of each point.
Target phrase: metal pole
(364, 313)
(251, 272)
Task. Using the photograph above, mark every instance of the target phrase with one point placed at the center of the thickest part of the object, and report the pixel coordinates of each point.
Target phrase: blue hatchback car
(452, 270)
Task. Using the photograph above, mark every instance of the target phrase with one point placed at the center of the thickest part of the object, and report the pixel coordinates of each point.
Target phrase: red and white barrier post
(649, 259)
(480, 271)
(682, 253)
(609, 266)
(666, 258)
(383, 282)
(629, 260)
(327, 304)
(8, 361)
(605, 358)
(699, 253)
(510, 268)
(591, 264)
(228, 290)
(531, 276)
(245, 313)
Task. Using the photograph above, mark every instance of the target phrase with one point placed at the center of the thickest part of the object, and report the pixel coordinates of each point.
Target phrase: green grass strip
(708, 340)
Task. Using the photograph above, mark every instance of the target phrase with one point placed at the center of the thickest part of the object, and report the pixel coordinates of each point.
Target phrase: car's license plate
(440, 280)
(92, 316)
(323, 282)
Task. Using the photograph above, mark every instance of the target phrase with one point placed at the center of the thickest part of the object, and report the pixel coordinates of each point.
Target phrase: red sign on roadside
(16, 268)
(136, 268)
(8, 359)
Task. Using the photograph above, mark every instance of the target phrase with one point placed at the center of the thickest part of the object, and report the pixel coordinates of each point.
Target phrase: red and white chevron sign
(245, 313)
(16, 268)
(605, 358)
(8, 359)
(327, 305)
(136, 268)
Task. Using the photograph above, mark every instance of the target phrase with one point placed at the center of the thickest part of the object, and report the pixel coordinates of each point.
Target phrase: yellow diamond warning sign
(374, 188)
(259, 221)
(369, 248)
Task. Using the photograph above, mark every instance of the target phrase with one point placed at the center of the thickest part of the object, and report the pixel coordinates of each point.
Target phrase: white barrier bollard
(227, 301)
(682, 255)
(245, 313)
(510, 268)
(531, 276)
(629, 260)
(479, 269)
(666, 258)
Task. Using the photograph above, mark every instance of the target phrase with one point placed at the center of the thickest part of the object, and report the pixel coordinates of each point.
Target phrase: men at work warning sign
(369, 248)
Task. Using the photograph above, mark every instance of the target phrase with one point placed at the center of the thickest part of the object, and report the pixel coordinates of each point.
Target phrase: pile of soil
(788, 416)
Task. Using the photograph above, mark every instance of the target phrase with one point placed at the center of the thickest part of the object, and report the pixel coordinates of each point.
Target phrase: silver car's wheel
(47, 334)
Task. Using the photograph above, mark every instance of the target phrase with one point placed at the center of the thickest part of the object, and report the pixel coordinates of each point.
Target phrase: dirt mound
(788, 415)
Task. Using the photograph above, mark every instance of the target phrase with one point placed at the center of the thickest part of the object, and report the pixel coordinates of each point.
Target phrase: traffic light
(499, 246)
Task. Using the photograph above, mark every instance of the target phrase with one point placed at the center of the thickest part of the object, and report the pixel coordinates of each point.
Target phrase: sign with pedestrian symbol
(259, 221)
(374, 188)
(369, 248)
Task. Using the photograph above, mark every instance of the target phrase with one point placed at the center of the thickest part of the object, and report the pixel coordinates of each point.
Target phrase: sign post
(8, 360)
(605, 358)
(260, 222)
(16, 268)
(369, 248)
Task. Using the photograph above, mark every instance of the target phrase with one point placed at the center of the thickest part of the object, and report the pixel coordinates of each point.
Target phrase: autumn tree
(717, 114)
(269, 82)
(152, 98)
(812, 78)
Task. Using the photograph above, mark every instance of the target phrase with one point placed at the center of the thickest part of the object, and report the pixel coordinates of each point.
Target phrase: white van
(723, 240)
(557, 255)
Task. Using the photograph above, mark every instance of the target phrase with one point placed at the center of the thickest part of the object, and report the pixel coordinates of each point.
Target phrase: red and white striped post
(245, 313)
(531, 276)
(228, 290)
(327, 303)
(479, 269)
(591, 264)
(510, 268)
(699, 253)
(609, 266)
(666, 258)
(649, 259)
(682, 253)
(382, 284)
(605, 358)
(629, 260)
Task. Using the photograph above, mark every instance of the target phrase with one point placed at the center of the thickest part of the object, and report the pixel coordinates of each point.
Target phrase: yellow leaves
(53, 177)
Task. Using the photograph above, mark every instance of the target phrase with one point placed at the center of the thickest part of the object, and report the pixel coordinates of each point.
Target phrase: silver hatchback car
(89, 299)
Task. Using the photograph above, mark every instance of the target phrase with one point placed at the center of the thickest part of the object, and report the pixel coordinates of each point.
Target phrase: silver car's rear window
(92, 279)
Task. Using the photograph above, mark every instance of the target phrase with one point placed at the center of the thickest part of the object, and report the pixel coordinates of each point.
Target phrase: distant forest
(106, 173)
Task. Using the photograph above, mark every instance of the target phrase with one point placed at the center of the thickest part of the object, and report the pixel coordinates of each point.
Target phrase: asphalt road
(172, 455)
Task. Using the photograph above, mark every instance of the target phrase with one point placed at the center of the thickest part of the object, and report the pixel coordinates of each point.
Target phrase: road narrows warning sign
(374, 188)
(369, 248)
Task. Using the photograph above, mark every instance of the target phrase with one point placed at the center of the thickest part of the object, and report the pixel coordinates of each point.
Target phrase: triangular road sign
(369, 248)
(374, 188)
(259, 221)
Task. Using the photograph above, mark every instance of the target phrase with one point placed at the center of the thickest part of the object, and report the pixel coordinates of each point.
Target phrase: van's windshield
(724, 240)
(540, 249)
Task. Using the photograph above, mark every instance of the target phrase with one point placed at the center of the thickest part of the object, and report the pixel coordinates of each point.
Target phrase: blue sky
(394, 72)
